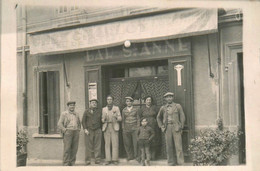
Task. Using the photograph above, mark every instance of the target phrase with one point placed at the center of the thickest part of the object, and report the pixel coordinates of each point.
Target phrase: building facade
(74, 53)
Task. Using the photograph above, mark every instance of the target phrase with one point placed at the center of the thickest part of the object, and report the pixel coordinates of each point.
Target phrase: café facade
(195, 53)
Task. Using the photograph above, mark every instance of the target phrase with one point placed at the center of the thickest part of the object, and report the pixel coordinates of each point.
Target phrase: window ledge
(53, 136)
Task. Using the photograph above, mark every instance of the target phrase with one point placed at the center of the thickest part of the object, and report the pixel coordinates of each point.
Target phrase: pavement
(122, 162)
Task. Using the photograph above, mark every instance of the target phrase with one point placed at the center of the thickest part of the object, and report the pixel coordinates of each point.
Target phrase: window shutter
(53, 98)
(43, 102)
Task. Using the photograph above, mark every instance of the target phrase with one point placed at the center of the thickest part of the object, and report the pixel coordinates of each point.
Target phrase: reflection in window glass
(163, 69)
(141, 71)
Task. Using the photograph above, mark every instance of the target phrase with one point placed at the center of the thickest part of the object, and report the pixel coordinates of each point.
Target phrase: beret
(70, 102)
(168, 94)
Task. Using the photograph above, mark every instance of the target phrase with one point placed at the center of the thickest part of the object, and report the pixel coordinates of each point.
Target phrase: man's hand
(86, 131)
(163, 129)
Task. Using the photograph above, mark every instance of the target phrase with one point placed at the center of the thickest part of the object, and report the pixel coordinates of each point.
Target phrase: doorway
(138, 80)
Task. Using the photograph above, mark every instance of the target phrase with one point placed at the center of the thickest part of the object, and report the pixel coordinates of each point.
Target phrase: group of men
(170, 120)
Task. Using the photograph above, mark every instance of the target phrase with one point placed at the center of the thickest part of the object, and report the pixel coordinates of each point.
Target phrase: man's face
(71, 107)
(93, 104)
(109, 100)
(144, 122)
(128, 102)
(169, 99)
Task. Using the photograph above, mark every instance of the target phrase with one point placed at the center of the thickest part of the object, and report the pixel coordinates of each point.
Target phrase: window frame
(36, 92)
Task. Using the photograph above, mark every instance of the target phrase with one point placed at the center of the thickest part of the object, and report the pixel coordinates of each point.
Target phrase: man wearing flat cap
(130, 125)
(70, 125)
(171, 120)
(91, 123)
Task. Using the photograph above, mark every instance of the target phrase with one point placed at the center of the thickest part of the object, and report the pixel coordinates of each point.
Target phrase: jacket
(116, 117)
(130, 118)
(64, 121)
(178, 117)
(92, 120)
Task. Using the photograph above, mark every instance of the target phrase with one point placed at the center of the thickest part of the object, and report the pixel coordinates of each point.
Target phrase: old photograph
(130, 86)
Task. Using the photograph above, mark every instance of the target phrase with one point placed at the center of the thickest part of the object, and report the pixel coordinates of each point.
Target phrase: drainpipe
(24, 57)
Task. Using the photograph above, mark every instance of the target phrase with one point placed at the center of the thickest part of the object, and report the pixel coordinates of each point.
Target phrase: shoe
(115, 162)
(87, 163)
(107, 163)
(97, 162)
(148, 163)
(143, 163)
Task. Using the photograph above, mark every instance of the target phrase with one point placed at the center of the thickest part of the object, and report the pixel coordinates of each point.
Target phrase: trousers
(71, 142)
(174, 138)
(144, 146)
(93, 144)
(130, 143)
(111, 137)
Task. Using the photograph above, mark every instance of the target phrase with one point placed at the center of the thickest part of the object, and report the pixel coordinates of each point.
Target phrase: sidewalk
(122, 162)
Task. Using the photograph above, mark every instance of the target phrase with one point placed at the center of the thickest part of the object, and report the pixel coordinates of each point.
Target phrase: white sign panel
(162, 26)
(92, 91)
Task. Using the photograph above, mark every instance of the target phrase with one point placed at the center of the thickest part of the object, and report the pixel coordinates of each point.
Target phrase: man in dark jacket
(171, 120)
(91, 123)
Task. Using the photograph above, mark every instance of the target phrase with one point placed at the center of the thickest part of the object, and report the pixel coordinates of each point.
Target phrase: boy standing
(145, 135)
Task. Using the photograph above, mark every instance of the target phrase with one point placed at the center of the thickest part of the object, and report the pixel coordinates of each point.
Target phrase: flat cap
(70, 102)
(168, 94)
(130, 98)
(93, 100)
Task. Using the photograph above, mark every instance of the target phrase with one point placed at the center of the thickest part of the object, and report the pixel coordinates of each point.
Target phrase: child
(145, 134)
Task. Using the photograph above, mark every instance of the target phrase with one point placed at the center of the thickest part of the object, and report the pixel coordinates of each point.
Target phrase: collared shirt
(170, 112)
(69, 120)
(145, 133)
(129, 108)
(73, 122)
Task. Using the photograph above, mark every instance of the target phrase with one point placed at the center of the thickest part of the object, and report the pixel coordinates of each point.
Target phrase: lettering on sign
(148, 49)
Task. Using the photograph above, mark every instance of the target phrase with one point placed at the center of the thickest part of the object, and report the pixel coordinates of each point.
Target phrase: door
(180, 79)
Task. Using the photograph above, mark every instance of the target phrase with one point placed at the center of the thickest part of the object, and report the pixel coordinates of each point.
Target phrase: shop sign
(183, 23)
(164, 48)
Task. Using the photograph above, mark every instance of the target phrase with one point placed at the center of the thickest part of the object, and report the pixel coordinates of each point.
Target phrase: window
(49, 101)
(67, 9)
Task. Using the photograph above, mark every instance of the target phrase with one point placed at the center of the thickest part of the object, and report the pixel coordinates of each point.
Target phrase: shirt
(169, 110)
(92, 119)
(145, 133)
(131, 119)
(69, 120)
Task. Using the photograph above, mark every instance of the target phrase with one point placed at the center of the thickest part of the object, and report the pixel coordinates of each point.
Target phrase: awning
(158, 27)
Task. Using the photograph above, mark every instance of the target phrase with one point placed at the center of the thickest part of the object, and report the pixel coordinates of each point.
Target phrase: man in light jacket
(70, 125)
(111, 117)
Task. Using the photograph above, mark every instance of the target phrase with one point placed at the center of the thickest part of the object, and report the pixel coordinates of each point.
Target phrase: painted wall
(205, 88)
(52, 148)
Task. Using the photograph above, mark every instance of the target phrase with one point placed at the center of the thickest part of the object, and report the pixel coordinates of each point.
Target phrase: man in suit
(69, 123)
(91, 123)
(111, 117)
(171, 120)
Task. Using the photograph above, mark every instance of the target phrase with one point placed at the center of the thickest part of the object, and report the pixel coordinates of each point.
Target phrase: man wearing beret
(171, 120)
(91, 123)
(70, 125)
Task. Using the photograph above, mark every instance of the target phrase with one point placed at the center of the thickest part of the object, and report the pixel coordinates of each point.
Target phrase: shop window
(49, 101)
(162, 70)
(142, 71)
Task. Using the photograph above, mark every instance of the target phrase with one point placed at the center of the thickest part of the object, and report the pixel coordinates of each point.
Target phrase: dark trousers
(174, 138)
(71, 142)
(144, 146)
(93, 144)
(130, 143)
